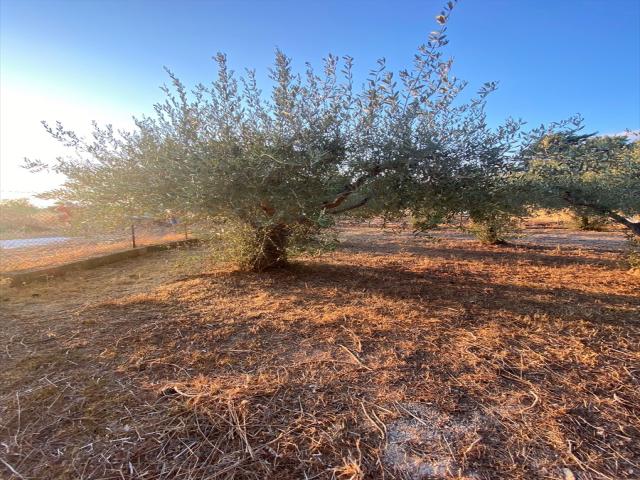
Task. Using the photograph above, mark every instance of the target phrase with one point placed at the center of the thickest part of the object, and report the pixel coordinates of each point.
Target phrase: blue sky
(83, 60)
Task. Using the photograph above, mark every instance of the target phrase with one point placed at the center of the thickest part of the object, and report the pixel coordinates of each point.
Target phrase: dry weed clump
(393, 357)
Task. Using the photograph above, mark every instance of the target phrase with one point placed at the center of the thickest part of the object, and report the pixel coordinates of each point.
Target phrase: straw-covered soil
(392, 357)
(71, 250)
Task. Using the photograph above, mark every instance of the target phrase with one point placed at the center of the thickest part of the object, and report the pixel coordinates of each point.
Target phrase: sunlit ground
(71, 250)
(393, 355)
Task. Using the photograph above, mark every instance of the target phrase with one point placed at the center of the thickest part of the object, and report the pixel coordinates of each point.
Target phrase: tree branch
(350, 207)
(352, 187)
(267, 208)
(633, 226)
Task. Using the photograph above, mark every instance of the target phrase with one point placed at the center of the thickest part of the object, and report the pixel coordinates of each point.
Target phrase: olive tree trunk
(271, 248)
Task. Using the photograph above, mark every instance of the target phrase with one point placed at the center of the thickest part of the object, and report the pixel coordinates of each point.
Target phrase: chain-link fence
(32, 237)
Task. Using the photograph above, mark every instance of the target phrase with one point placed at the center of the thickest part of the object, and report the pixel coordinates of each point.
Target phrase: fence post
(133, 235)
(186, 232)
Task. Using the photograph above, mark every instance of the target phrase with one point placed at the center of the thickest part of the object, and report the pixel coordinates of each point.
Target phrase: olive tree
(279, 167)
(475, 170)
(477, 180)
(591, 175)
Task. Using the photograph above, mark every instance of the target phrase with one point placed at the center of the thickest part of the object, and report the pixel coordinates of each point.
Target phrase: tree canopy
(592, 175)
(282, 165)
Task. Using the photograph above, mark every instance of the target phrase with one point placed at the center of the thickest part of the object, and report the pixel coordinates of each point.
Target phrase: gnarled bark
(634, 227)
(272, 248)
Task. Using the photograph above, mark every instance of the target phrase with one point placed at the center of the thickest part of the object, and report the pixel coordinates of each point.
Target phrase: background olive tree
(475, 169)
(594, 176)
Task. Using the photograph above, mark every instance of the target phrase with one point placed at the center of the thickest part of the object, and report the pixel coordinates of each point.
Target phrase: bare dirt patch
(394, 357)
(420, 444)
(557, 238)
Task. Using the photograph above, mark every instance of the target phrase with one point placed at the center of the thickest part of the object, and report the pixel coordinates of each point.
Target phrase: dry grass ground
(66, 251)
(393, 357)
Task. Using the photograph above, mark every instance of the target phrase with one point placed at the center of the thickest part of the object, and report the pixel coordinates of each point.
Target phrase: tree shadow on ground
(322, 378)
(435, 288)
(535, 254)
(320, 346)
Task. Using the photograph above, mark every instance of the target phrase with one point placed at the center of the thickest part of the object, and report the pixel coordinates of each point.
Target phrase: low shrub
(494, 229)
(589, 223)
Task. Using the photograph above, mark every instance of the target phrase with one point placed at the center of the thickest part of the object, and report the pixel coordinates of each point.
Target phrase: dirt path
(609, 241)
(605, 242)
